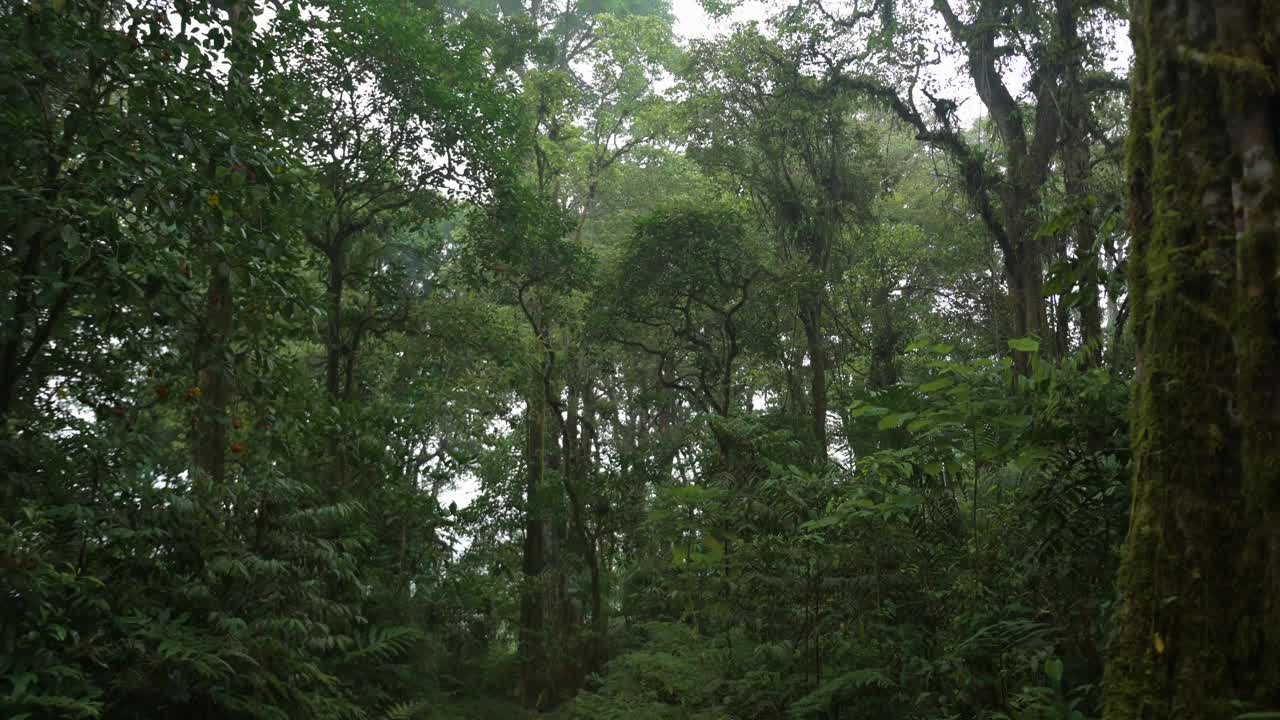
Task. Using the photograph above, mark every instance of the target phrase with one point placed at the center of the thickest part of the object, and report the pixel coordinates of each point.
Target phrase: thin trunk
(1034, 306)
(533, 654)
(213, 370)
(1198, 626)
(599, 611)
(1060, 310)
(214, 381)
(577, 442)
(1076, 176)
(665, 420)
(336, 472)
(883, 373)
(1027, 159)
(811, 318)
(333, 338)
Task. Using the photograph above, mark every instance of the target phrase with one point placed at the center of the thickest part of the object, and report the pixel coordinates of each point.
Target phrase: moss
(1197, 577)
(1247, 69)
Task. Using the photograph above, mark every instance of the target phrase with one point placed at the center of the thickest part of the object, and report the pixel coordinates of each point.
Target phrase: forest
(640, 359)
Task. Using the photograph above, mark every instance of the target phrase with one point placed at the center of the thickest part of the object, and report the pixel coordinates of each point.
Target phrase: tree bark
(533, 655)
(577, 442)
(336, 253)
(213, 379)
(1198, 625)
(811, 318)
(1024, 275)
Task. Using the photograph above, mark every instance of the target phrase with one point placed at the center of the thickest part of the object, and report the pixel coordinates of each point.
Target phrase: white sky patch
(693, 23)
(949, 75)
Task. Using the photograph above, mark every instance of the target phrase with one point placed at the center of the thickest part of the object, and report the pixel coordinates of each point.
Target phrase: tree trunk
(666, 415)
(599, 610)
(1060, 309)
(1198, 625)
(811, 318)
(578, 442)
(883, 373)
(334, 289)
(1026, 297)
(213, 379)
(533, 655)
(1076, 175)
(213, 370)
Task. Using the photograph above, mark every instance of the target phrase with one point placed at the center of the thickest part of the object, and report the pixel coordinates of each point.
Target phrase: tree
(681, 293)
(1198, 627)
(621, 47)
(522, 243)
(385, 124)
(1006, 194)
(791, 141)
(162, 418)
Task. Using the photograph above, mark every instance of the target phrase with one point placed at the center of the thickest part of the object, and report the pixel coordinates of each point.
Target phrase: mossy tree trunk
(1198, 625)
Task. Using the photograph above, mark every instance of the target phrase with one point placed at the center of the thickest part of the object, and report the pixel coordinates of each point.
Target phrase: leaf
(888, 422)
(1159, 643)
(1025, 345)
(1053, 668)
(921, 424)
(821, 522)
(868, 410)
(939, 384)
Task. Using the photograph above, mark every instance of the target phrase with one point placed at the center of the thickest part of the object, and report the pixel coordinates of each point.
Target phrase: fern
(383, 645)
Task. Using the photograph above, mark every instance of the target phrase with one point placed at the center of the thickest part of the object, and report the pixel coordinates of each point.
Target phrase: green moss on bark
(1194, 628)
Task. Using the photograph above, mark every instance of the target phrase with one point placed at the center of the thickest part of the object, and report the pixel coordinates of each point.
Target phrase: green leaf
(939, 384)
(889, 422)
(70, 235)
(821, 522)
(868, 410)
(1053, 668)
(1025, 345)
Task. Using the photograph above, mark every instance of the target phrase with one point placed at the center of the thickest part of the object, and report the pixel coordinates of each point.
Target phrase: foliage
(365, 359)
